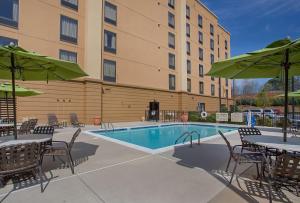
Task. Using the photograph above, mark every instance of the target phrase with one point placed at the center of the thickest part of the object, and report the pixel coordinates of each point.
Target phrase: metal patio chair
(74, 120)
(240, 157)
(20, 158)
(62, 148)
(32, 124)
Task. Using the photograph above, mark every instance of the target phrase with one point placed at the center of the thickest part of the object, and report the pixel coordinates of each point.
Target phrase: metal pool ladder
(107, 125)
(188, 135)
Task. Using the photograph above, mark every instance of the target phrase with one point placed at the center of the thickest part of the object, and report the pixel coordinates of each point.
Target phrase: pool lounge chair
(52, 121)
(74, 120)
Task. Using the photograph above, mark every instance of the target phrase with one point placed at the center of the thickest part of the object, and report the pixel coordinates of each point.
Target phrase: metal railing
(188, 135)
(106, 126)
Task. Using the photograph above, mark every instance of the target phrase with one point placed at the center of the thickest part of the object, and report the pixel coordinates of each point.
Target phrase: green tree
(263, 100)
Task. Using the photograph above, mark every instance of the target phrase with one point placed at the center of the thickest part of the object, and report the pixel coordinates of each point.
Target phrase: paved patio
(110, 172)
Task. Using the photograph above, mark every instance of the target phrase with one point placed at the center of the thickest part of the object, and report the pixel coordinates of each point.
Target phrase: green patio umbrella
(18, 64)
(280, 58)
(6, 92)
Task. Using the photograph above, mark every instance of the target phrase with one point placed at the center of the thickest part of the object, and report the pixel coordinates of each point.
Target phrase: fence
(262, 119)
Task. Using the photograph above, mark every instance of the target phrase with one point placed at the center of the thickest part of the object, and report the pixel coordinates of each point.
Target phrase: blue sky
(253, 24)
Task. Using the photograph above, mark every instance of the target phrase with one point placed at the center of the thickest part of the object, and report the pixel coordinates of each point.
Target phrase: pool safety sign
(222, 117)
(237, 117)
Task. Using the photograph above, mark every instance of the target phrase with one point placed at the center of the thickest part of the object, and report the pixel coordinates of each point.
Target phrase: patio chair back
(18, 158)
(48, 130)
(52, 120)
(247, 131)
(74, 119)
(24, 128)
(287, 167)
(32, 123)
(227, 143)
(78, 131)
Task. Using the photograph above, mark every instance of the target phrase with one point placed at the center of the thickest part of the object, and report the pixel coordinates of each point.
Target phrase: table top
(23, 139)
(6, 124)
(292, 143)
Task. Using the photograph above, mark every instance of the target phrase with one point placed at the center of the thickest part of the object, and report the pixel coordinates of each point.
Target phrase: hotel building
(134, 51)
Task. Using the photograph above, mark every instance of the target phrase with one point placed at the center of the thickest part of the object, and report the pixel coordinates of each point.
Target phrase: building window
(7, 41)
(226, 44)
(200, 23)
(9, 12)
(212, 44)
(188, 48)
(226, 94)
(201, 107)
(218, 52)
(68, 56)
(110, 13)
(171, 40)
(212, 78)
(188, 12)
(212, 89)
(201, 70)
(218, 39)
(188, 67)
(171, 3)
(212, 58)
(110, 41)
(172, 82)
(201, 88)
(211, 29)
(172, 61)
(226, 82)
(73, 4)
(201, 54)
(171, 20)
(68, 29)
(226, 55)
(109, 70)
(188, 30)
(189, 85)
(200, 37)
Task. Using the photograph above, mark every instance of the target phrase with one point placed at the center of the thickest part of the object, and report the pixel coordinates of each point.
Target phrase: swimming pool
(160, 136)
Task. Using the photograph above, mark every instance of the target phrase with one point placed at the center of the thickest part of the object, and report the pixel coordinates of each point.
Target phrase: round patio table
(292, 144)
(23, 139)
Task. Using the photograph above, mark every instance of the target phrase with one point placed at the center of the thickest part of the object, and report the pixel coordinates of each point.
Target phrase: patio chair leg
(1, 182)
(228, 164)
(257, 171)
(233, 172)
(41, 177)
(53, 158)
(70, 161)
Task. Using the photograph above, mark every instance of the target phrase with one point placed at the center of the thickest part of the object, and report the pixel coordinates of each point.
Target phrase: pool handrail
(191, 137)
(182, 135)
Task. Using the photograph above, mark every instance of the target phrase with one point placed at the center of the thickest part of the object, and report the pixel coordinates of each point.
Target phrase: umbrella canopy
(6, 91)
(17, 63)
(280, 58)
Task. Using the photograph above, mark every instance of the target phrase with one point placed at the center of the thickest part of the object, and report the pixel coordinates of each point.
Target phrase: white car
(269, 113)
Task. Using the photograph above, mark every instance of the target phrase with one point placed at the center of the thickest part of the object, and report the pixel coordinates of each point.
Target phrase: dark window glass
(110, 13)
(73, 4)
(110, 41)
(171, 40)
(171, 61)
(226, 44)
(171, 20)
(68, 56)
(189, 85)
(188, 67)
(201, 88)
(211, 30)
(7, 41)
(212, 58)
(212, 89)
(9, 12)
(218, 39)
(171, 3)
(201, 70)
(201, 54)
(200, 23)
(109, 70)
(188, 12)
(188, 48)
(218, 52)
(212, 44)
(200, 37)
(212, 78)
(226, 82)
(201, 107)
(226, 55)
(188, 30)
(68, 29)
(227, 94)
(172, 82)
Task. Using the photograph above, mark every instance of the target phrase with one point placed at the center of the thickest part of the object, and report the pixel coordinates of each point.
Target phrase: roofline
(202, 4)
(223, 28)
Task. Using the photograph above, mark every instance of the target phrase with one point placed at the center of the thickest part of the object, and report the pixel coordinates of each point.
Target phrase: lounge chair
(32, 124)
(241, 157)
(24, 128)
(61, 148)
(52, 121)
(20, 158)
(74, 120)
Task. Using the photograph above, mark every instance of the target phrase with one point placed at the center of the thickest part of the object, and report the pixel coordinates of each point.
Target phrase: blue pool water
(156, 137)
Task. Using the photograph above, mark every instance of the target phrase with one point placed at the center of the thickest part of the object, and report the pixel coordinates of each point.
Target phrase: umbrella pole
(286, 87)
(13, 68)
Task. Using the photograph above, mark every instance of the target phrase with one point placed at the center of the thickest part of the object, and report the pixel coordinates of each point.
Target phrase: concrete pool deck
(110, 172)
